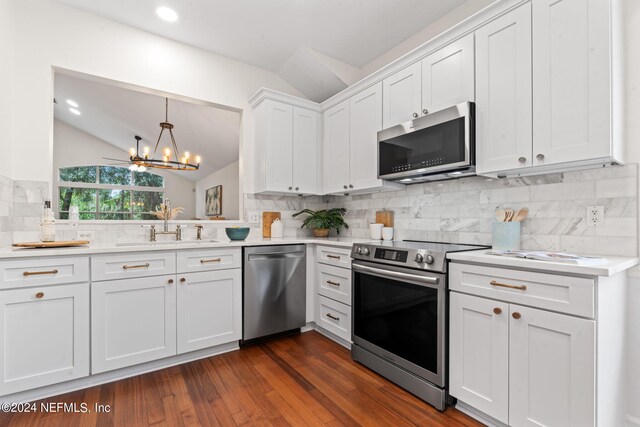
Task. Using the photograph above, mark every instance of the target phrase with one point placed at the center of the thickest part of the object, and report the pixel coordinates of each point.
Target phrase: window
(109, 192)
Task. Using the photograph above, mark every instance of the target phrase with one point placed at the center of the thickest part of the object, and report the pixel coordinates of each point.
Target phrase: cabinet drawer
(210, 259)
(340, 257)
(564, 294)
(334, 282)
(334, 317)
(109, 267)
(43, 271)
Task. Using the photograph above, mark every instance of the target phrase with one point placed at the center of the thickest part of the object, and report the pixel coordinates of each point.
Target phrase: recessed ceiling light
(75, 111)
(72, 103)
(167, 14)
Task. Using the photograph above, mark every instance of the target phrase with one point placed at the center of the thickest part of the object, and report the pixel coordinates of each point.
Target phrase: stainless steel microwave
(439, 145)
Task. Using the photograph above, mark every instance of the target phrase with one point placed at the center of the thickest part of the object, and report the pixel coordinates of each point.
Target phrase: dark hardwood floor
(301, 380)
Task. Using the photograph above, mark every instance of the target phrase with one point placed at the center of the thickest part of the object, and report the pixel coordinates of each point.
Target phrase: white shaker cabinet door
(479, 354)
(132, 321)
(401, 94)
(503, 92)
(336, 149)
(448, 76)
(366, 120)
(209, 309)
(279, 145)
(306, 151)
(572, 80)
(552, 369)
(44, 336)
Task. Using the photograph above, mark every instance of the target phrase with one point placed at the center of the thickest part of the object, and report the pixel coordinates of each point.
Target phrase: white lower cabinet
(44, 336)
(334, 317)
(333, 288)
(209, 309)
(132, 321)
(521, 365)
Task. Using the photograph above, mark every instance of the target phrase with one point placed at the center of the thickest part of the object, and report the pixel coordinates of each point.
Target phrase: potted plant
(324, 220)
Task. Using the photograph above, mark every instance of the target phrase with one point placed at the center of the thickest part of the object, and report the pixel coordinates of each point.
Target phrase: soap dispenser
(48, 224)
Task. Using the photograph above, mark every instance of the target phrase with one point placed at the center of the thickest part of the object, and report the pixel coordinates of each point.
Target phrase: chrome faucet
(167, 211)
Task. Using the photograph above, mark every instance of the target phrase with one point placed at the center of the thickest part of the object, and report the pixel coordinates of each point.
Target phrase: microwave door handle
(428, 280)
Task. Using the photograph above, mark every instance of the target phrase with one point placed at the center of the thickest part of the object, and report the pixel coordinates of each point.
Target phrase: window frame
(97, 187)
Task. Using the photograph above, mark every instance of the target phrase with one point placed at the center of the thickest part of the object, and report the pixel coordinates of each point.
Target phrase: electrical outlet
(595, 216)
(86, 235)
(254, 217)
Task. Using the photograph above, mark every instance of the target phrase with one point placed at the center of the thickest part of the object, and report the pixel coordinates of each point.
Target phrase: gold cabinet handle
(205, 261)
(497, 310)
(333, 283)
(127, 267)
(504, 285)
(37, 273)
(40, 295)
(516, 315)
(330, 316)
(170, 281)
(182, 280)
(333, 256)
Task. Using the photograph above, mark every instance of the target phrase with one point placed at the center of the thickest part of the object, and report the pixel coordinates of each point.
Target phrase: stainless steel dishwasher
(274, 290)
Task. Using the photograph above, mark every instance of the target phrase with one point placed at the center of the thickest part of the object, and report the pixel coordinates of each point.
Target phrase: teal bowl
(237, 233)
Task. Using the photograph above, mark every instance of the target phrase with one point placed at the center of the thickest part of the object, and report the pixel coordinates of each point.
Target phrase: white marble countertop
(614, 266)
(8, 252)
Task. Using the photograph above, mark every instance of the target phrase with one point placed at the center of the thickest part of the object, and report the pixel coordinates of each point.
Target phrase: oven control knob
(419, 258)
(429, 259)
(365, 251)
(358, 250)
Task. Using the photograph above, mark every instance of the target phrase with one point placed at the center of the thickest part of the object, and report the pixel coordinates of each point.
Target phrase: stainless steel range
(400, 313)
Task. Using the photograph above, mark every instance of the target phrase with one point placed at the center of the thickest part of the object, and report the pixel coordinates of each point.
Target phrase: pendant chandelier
(140, 162)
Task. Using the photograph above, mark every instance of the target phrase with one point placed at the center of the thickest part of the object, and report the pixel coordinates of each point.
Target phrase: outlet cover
(595, 216)
(86, 235)
(254, 217)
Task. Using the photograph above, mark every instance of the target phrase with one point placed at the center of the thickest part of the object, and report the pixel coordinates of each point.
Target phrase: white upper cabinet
(572, 80)
(366, 120)
(278, 145)
(286, 151)
(336, 149)
(503, 98)
(402, 96)
(448, 76)
(306, 151)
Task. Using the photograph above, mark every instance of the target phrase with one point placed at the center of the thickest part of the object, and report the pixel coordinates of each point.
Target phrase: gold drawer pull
(40, 295)
(497, 310)
(36, 273)
(204, 261)
(330, 316)
(333, 256)
(504, 285)
(127, 267)
(333, 283)
(516, 315)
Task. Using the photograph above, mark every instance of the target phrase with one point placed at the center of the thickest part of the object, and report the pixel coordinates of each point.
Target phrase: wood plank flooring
(304, 380)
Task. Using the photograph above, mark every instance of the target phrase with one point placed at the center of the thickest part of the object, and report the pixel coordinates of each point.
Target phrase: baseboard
(118, 374)
(478, 416)
(633, 421)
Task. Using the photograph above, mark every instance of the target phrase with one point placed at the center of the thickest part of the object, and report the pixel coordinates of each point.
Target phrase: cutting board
(267, 219)
(385, 217)
(42, 245)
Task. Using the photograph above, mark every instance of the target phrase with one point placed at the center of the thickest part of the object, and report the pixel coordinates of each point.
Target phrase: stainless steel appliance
(274, 290)
(439, 145)
(400, 304)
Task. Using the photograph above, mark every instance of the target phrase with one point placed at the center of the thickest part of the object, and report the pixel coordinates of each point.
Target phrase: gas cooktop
(410, 253)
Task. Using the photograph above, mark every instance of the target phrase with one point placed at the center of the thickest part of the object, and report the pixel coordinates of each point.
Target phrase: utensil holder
(506, 235)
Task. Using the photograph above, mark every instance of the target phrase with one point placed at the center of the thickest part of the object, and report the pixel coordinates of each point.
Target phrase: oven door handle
(395, 274)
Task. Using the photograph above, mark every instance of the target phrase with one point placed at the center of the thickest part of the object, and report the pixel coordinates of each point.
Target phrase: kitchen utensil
(521, 214)
(385, 218)
(267, 220)
(41, 245)
(508, 214)
(500, 215)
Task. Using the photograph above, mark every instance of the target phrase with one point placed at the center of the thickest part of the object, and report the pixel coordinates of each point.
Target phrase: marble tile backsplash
(463, 210)
(453, 211)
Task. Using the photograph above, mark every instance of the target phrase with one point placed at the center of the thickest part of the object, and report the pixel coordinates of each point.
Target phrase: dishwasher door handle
(276, 255)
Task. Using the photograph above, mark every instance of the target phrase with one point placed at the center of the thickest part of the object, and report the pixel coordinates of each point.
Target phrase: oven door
(399, 315)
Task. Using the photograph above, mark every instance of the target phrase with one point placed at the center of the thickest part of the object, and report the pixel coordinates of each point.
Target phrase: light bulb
(145, 150)
(167, 152)
(186, 155)
(198, 158)
(184, 160)
(165, 159)
(132, 151)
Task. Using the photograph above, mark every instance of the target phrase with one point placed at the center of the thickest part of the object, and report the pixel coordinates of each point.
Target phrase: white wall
(6, 85)
(447, 21)
(228, 177)
(73, 147)
(48, 34)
